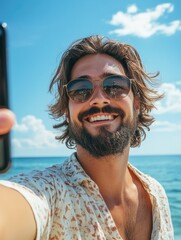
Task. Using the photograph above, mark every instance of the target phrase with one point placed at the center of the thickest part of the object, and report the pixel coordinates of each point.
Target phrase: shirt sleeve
(38, 189)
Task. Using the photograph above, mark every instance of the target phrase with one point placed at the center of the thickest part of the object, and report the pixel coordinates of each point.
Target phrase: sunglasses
(115, 86)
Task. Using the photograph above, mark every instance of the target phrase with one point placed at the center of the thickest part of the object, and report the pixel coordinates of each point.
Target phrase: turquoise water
(166, 169)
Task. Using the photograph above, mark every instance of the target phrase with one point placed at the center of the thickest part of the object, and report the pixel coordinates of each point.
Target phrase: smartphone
(4, 139)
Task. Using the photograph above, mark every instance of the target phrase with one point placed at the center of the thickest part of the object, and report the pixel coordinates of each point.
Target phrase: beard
(105, 142)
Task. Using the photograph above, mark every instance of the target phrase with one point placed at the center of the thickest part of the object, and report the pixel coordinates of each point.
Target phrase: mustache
(106, 109)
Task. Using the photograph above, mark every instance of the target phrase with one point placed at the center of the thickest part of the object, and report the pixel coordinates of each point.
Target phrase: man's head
(102, 110)
(96, 58)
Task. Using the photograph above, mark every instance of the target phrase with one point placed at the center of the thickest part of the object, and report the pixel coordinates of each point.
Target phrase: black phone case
(4, 139)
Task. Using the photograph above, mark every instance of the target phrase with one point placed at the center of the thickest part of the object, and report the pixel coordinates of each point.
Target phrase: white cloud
(132, 9)
(33, 134)
(178, 83)
(166, 126)
(20, 127)
(16, 143)
(144, 24)
(172, 100)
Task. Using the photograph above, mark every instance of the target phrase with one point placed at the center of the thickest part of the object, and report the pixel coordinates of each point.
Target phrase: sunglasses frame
(101, 84)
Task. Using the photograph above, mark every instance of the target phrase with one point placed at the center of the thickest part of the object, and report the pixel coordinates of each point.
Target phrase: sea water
(166, 169)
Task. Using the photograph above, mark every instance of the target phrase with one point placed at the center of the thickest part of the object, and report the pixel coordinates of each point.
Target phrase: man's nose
(99, 98)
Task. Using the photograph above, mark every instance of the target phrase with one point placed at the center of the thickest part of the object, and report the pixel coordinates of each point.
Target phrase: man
(104, 98)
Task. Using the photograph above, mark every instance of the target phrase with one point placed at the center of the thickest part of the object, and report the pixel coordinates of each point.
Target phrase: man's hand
(7, 120)
(16, 217)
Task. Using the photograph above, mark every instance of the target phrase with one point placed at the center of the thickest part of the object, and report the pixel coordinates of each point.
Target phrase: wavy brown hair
(132, 64)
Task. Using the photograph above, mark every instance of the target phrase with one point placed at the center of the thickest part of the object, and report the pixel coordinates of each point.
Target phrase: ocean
(166, 169)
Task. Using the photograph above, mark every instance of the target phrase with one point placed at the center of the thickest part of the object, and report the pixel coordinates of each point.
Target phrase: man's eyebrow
(102, 76)
(107, 74)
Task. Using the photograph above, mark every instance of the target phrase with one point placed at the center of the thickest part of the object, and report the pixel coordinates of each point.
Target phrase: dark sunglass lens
(116, 86)
(80, 90)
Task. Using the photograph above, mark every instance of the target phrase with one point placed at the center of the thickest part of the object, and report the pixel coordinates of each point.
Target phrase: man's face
(101, 125)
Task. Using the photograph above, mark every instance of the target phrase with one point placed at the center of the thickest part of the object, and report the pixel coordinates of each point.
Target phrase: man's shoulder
(40, 177)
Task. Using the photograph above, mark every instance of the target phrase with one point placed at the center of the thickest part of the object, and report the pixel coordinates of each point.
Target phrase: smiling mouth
(101, 117)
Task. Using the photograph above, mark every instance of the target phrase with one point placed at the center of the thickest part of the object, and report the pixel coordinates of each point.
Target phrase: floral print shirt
(67, 204)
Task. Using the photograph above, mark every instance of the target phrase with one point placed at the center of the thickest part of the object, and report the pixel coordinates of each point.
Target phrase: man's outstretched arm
(16, 216)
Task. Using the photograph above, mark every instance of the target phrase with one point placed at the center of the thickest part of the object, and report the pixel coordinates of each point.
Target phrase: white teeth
(101, 118)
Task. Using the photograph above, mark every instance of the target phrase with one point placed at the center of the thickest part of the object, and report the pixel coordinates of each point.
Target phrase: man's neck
(122, 191)
(110, 173)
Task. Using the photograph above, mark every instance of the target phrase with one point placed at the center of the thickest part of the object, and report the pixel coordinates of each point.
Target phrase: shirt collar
(76, 175)
(74, 172)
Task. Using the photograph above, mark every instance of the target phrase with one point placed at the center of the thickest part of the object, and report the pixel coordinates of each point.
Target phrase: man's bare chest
(134, 222)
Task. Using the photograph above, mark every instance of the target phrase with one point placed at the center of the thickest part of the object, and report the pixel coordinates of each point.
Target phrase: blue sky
(39, 32)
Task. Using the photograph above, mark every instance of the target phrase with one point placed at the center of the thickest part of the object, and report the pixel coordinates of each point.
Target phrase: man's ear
(137, 104)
